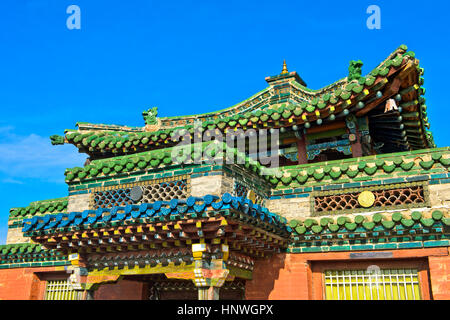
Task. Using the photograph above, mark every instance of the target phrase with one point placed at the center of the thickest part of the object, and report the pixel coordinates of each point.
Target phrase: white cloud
(11, 181)
(33, 156)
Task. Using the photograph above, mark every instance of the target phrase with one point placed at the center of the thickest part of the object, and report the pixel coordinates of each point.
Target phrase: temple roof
(244, 225)
(161, 211)
(288, 103)
(22, 255)
(375, 222)
(156, 159)
(168, 221)
(40, 207)
(329, 171)
(306, 174)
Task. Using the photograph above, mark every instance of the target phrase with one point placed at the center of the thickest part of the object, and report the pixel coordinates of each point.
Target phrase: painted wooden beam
(327, 127)
(391, 90)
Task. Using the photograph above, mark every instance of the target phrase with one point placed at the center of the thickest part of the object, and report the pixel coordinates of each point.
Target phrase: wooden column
(356, 146)
(301, 147)
(208, 293)
(210, 274)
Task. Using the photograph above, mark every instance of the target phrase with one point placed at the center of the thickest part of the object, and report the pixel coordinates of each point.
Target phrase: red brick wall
(15, 284)
(440, 277)
(283, 277)
(121, 290)
(22, 283)
(289, 276)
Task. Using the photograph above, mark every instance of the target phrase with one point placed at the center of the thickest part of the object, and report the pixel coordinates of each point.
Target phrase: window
(379, 279)
(61, 290)
(372, 284)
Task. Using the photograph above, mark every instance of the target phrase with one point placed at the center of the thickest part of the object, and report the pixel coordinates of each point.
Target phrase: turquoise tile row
(34, 264)
(366, 247)
(303, 195)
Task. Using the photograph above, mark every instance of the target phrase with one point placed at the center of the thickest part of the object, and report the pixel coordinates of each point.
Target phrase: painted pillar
(208, 293)
(356, 144)
(364, 136)
(302, 154)
(210, 271)
(79, 272)
(301, 147)
(354, 135)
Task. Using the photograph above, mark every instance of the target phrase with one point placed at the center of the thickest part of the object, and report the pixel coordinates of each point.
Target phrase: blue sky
(185, 57)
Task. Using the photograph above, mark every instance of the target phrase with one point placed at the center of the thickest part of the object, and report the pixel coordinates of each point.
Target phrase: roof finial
(285, 70)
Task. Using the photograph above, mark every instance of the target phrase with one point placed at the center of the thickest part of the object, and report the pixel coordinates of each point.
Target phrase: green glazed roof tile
(346, 224)
(40, 207)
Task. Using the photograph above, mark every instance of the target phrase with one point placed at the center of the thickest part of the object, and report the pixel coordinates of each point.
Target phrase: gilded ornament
(366, 199)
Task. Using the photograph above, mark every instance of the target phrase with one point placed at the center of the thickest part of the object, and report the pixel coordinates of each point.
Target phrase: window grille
(162, 191)
(383, 198)
(165, 191)
(387, 284)
(61, 290)
(111, 198)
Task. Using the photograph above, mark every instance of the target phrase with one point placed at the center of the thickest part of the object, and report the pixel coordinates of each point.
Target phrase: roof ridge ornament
(150, 116)
(355, 70)
(57, 140)
(152, 122)
(285, 76)
(285, 69)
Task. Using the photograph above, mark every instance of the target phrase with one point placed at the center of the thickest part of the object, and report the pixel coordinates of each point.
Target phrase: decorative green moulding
(27, 252)
(154, 159)
(345, 224)
(20, 248)
(368, 166)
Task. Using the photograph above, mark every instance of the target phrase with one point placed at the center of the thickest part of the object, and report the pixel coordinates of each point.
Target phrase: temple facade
(347, 199)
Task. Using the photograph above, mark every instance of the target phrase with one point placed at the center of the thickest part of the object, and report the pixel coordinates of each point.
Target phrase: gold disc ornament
(366, 199)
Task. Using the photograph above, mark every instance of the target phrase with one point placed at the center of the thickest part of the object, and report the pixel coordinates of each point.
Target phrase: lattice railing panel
(383, 198)
(161, 191)
(165, 191)
(112, 198)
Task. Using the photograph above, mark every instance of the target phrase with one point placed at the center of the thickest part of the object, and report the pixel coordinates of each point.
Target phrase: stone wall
(440, 195)
(294, 208)
(15, 235)
(78, 203)
(227, 184)
(215, 185)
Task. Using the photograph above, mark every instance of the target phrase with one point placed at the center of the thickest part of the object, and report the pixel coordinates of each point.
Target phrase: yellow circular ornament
(366, 199)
